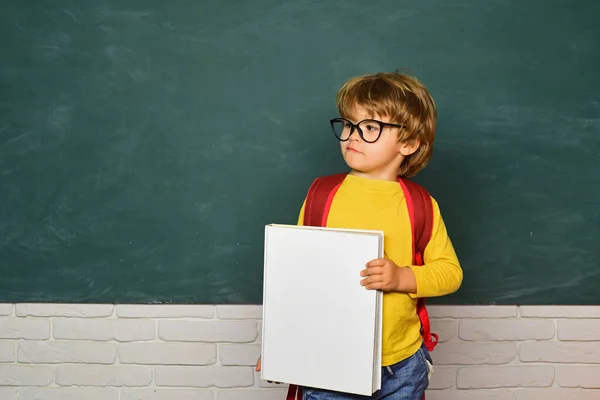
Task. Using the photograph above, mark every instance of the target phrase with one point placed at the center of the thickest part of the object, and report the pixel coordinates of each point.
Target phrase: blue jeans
(406, 380)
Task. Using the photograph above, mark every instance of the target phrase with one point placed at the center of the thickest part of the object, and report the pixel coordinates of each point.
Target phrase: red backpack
(420, 210)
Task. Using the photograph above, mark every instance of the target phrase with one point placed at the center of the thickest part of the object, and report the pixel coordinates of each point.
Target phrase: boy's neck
(382, 176)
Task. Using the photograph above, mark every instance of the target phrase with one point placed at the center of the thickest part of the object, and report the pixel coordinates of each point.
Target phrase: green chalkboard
(145, 144)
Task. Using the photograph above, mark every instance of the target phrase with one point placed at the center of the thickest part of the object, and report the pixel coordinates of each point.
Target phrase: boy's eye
(347, 125)
(372, 127)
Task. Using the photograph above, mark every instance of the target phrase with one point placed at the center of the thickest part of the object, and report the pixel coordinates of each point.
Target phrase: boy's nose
(355, 136)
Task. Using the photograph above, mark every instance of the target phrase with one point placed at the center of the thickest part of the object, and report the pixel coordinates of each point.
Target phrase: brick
(168, 353)
(222, 377)
(6, 309)
(64, 310)
(24, 328)
(556, 394)
(560, 311)
(103, 375)
(239, 312)
(587, 377)
(55, 352)
(486, 394)
(71, 393)
(446, 329)
(579, 329)
(9, 393)
(122, 330)
(167, 394)
(26, 375)
(239, 354)
(472, 311)
(252, 394)
(443, 378)
(560, 352)
(7, 352)
(506, 329)
(474, 353)
(165, 311)
(504, 377)
(207, 331)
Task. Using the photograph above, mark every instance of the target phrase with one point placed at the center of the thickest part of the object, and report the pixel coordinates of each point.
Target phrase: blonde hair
(402, 99)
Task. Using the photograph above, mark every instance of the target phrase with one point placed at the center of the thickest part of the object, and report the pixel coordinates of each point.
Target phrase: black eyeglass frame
(360, 132)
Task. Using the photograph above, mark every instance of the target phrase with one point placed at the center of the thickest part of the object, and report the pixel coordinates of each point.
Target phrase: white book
(321, 328)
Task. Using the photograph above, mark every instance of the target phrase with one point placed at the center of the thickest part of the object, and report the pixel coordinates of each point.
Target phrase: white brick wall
(205, 352)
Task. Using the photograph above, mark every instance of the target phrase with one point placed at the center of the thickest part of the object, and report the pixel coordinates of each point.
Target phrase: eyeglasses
(369, 129)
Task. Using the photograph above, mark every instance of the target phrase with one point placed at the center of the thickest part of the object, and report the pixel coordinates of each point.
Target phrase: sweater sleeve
(441, 273)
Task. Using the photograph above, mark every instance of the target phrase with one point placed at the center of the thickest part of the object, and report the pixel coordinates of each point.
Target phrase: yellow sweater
(362, 203)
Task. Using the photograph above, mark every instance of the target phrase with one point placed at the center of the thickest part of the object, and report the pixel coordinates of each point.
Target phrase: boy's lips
(350, 148)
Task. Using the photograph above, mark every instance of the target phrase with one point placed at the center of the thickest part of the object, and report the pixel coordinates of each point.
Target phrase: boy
(386, 129)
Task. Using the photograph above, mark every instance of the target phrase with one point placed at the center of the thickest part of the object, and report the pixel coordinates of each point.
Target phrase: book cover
(321, 328)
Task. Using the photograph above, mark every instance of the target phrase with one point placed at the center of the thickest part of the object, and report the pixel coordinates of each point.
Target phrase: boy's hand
(383, 274)
(258, 364)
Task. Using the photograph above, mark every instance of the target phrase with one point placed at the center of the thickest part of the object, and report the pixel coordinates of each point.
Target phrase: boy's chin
(356, 166)
(352, 163)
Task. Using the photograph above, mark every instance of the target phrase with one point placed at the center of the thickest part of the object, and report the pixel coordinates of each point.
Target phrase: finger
(371, 280)
(258, 364)
(374, 286)
(372, 271)
(378, 262)
(379, 285)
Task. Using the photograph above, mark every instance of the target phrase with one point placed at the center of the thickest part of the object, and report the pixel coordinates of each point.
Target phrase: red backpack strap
(420, 210)
(319, 198)
(294, 393)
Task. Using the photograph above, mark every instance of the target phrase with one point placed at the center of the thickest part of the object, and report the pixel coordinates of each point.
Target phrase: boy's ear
(408, 147)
